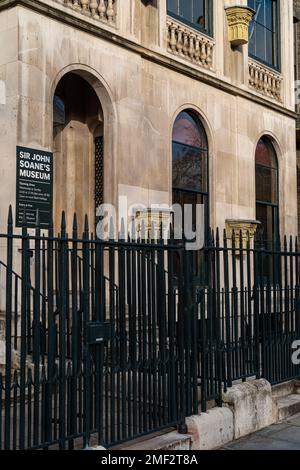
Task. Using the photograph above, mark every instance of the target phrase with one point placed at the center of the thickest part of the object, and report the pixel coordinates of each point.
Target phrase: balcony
(101, 10)
(189, 44)
(265, 81)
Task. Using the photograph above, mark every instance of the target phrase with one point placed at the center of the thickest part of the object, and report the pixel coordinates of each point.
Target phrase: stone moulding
(189, 44)
(238, 18)
(265, 81)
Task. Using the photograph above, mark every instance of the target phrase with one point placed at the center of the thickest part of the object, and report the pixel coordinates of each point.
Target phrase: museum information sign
(34, 186)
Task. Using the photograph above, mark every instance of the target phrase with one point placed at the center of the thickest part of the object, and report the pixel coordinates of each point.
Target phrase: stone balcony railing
(265, 81)
(102, 10)
(189, 44)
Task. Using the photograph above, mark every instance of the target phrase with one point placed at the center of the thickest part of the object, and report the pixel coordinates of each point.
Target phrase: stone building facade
(80, 77)
(297, 77)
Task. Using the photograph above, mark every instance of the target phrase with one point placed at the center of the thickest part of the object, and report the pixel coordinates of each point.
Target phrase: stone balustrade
(189, 44)
(265, 81)
(103, 10)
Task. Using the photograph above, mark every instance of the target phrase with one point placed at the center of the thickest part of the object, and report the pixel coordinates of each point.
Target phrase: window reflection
(264, 32)
(198, 13)
(267, 199)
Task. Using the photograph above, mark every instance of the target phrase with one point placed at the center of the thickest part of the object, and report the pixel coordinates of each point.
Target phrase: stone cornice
(145, 53)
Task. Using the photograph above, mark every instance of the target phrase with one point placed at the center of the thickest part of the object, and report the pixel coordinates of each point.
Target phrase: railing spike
(37, 220)
(153, 232)
(241, 240)
(225, 238)
(24, 219)
(63, 223)
(86, 224)
(212, 237)
(143, 231)
(75, 225)
(122, 231)
(233, 238)
(10, 216)
(111, 229)
(51, 225)
(161, 231)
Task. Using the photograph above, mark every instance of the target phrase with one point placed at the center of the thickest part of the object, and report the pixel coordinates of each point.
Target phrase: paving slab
(274, 429)
(282, 436)
(263, 443)
(295, 421)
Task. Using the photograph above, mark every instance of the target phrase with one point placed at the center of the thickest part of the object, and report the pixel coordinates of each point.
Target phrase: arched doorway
(78, 130)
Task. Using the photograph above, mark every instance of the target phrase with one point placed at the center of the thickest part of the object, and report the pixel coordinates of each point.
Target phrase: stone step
(283, 389)
(170, 441)
(297, 386)
(288, 406)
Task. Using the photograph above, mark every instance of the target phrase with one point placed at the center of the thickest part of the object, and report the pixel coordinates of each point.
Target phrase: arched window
(264, 32)
(267, 198)
(190, 163)
(196, 13)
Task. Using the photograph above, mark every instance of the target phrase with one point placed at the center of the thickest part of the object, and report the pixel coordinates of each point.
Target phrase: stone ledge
(170, 441)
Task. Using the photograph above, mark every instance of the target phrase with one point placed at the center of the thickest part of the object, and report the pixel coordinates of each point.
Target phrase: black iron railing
(111, 340)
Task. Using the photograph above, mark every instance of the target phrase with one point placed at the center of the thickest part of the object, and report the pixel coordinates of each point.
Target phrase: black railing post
(172, 388)
(219, 319)
(86, 348)
(25, 317)
(62, 332)
(75, 328)
(8, 319)
(228, 340)
(182, 427)
(36, 333)
(50, 347)
(257, 267)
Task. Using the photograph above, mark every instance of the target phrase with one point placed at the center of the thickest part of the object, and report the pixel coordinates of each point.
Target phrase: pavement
(282, 436)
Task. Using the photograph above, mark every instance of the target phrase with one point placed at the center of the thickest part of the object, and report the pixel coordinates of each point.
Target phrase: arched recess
(84, 141)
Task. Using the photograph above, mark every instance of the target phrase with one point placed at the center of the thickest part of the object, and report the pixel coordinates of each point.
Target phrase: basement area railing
(116, 339)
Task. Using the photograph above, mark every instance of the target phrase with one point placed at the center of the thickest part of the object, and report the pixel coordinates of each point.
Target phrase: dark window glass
(197, 13)
(267, 211)
(59, 111)
(189, 154)
(267, 199)
(264, 32)
(190, 171)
